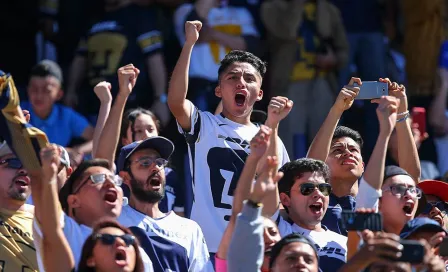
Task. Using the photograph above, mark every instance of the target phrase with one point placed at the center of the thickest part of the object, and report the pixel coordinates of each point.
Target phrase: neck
(43, 114)
(150, 209)
(342, 188)
(12, 204)
(298, 222)
(244, 120)
(392, 227)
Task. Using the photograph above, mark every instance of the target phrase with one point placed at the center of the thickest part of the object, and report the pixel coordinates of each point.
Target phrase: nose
(119, 242)
(407, 194)
(300, 263)
(241, 83)
(22, 172)
(108, 183)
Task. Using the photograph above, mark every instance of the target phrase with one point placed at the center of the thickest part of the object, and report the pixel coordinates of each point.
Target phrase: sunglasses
(146, 162)
(99, 179)
(308, 188)
(109, 239)
(400, 190)
(15, 163)
(442, 206)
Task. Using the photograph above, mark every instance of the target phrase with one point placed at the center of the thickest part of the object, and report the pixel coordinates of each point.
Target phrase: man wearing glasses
(436, 195)
(173, 243)
(304, 192)
(17, 251)
(90, 193)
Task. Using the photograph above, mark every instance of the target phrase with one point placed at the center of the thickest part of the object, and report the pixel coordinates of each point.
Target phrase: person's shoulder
(339, 238)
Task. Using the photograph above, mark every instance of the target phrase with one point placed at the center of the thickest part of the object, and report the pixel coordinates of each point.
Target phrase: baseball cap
(435, 187)
(160, 144)
(393, 170)
(65, 159)
(47, 68)
(288, 239)
(420, 224)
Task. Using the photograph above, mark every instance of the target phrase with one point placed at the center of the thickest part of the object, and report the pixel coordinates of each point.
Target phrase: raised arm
(320, 147)
(408, 158)
(54, 243)
(180, 107)
(279, 107)
(258, 146)
(107, 145)
(387, 117)
(102, 91)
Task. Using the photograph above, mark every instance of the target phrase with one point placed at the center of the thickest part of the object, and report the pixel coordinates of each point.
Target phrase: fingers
(50, 154)
(437, 239)
(387, 102)
(27, 115)
(354, 80)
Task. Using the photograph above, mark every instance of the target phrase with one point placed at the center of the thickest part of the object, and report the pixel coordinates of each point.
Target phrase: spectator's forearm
(85, 148)
(102, 118)
(320, 147)
(437, 117)
(157, 73)
(375, 168)
(408, 158)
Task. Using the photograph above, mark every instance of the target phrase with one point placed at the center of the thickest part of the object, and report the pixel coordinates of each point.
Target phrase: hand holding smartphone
(372, 90)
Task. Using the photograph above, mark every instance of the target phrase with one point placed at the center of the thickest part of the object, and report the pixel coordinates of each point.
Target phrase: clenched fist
(127, 77)
(279, 107)
(192, 29)
(102, 91)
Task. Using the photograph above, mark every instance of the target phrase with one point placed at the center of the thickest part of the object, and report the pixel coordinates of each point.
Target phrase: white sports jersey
(331, 246)
(173, 243)
(218, 148)
(206, 57)
(76, 234)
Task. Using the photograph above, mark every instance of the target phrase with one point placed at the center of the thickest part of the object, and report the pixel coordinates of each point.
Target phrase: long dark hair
(89, 244)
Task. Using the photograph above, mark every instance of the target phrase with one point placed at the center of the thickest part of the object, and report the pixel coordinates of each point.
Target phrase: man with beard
(17, 250)
(172, 242)
(435, 204)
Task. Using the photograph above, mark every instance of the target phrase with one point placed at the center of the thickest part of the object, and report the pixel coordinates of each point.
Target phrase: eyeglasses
(146, 162)
(400, 190)
(442, 206)
(100, 178)
(13, 163)
(308, 188)
(109, 239)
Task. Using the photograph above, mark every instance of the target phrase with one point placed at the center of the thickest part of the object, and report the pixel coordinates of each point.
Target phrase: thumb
(289, 104)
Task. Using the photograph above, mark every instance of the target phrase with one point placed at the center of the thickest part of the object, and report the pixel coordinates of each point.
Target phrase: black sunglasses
(308, 188)
(13, 163)
(442, 206)
(109, 239)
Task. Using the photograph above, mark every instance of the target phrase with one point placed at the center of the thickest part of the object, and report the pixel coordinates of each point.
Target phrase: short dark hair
(342, 131)
(288, 239)
(296, 169)
(67, 189)
(89, 244)
(242, 56)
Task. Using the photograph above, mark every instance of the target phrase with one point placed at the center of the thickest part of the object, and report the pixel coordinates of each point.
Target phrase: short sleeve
(192, 136)
(149, 37)
(78, 123)
(201, 259)
(367, 196)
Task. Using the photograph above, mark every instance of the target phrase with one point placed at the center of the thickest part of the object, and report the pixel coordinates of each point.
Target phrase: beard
(145, 195)
(18, 193)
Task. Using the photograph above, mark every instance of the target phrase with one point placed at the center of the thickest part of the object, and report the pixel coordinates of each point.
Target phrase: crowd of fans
(226, 136)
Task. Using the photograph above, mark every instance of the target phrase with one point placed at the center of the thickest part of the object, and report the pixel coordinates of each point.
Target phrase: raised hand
(398, 91)
(267, 181)
(127, 77)
(102, 91)
(387, 113)
(260, 142)
(192, 29)
(27, 115)
(279, 107)
(347, 95)
(50, 159)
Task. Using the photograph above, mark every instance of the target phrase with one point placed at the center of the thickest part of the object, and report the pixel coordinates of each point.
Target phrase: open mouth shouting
(240, 98)
(121, 257)
(349, 161)
(155, 181)
(409, 208)
(111, 197)
(317, 208)
(22, 182)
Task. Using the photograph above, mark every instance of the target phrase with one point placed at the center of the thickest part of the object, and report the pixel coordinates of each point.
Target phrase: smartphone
(413, 252)
(354, 221)
(443, 248)
(419, 118)
(371, 90)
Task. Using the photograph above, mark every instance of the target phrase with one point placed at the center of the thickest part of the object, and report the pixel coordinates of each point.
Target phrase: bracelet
(403, 113)
(403, 118)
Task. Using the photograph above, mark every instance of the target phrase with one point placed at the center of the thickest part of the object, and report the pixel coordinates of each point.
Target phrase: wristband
(403, 118)
(403, 113)
(162, 98)
(253, 204)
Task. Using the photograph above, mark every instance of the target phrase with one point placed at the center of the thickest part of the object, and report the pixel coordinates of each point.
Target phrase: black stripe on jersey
(19, 242)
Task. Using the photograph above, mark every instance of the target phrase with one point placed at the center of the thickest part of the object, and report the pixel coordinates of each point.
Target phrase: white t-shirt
(218, 148)
(173, 243)
(331, 246)
(206, 57)
(76, 234)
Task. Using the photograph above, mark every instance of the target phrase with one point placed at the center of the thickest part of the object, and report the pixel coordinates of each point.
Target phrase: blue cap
(160, 144)
(420, 224)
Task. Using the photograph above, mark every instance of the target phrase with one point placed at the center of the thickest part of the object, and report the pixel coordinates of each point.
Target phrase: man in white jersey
(172, 242)
(227, 28)
(218, 144)
(304, 192)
